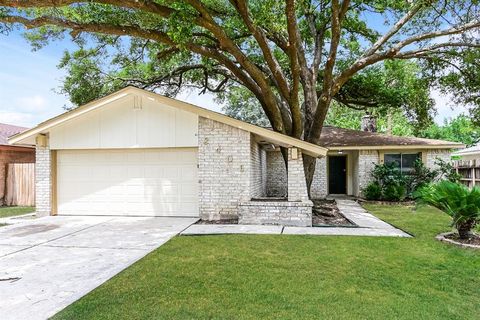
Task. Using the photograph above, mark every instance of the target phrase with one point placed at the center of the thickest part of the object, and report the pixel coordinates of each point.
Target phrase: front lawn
(298, 277)
(15, 211)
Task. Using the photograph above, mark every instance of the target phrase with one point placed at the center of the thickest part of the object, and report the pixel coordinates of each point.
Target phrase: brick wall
(258, 170)
(297, 186)
(223, 170)
(43, 182)
(276, 175)
(12, 156)
(366, 162)
(432, 155)
(319, 188)
(283, 213)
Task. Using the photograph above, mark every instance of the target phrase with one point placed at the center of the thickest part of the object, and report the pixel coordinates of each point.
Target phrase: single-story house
(11, 154)
(135, 152)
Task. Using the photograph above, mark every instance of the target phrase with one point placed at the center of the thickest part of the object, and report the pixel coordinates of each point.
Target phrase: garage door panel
(154, 182)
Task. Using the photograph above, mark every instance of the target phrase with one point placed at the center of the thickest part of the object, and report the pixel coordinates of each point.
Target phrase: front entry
(337, 174)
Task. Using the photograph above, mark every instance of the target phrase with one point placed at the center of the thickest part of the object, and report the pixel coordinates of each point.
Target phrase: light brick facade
(223, 169)
(258, 170)
(297, 211)
(276, 212)
(319, 187)
(366, 162)
(433, 155)
(43, 181)
(297, 186)
(276, 175)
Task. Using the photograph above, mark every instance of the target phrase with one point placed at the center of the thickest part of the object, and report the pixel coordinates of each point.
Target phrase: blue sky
(29, 81)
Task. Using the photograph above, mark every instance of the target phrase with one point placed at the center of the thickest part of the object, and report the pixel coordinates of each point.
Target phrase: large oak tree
(292, 56)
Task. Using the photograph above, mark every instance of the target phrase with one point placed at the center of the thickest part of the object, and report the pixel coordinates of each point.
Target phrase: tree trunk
(314, 119)
(465, 229)
(309, 168)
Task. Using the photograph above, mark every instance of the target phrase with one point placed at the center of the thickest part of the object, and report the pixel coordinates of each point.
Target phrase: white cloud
(36, 103)
(17, 118)
(446, 108)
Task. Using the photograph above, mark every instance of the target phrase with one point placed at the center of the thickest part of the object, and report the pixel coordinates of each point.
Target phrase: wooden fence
(20, 184)
(469, 170)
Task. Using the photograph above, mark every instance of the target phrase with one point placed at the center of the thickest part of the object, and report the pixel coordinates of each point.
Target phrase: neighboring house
(138, 153)
(11, 154)
(471, 153)
(467, 164)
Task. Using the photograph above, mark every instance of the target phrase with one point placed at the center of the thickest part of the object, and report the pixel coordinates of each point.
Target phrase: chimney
(369, 123)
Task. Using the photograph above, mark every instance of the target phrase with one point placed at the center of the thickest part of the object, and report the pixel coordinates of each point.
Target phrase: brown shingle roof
(8, 130)
(339, 137)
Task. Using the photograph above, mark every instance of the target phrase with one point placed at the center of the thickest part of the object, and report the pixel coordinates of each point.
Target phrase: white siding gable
(131, 122)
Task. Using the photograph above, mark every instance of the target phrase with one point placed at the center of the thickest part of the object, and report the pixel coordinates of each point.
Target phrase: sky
(30, 81)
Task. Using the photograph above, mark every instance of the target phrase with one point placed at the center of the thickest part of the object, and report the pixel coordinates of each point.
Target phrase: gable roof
(271, 136)
(8, 130)
(335, 138)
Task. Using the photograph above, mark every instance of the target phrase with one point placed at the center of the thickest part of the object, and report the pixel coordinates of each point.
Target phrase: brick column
(43, 181)
(319, 188)
(297, 186)
(366, 162)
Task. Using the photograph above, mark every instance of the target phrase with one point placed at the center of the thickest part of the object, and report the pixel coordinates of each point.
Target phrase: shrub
(373, 191)
(420, 177)
(394, 192)
(456, 200)
(387, 174)
(447, 171)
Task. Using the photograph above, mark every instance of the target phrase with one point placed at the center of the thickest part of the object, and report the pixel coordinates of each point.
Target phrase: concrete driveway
(48, 263)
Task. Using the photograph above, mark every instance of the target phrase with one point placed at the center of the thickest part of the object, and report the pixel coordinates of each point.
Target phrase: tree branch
(394, 30)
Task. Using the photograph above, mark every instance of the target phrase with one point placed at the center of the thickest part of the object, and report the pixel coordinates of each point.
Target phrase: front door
(337, 174)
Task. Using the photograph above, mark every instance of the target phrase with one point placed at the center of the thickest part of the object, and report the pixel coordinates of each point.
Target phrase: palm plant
(456, 200)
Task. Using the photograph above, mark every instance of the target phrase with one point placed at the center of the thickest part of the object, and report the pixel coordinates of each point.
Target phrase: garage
(149, 182)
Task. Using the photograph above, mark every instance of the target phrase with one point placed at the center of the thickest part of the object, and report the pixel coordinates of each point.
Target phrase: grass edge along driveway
(298, 277)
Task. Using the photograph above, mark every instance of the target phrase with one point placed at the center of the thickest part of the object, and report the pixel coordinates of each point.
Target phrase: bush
(420, 177)
(373, 191)
(387, 174)
(447, 171)
(394, 192)
(456, 200)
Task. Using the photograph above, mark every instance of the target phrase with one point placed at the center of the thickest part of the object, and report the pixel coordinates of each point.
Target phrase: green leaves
(456, 200)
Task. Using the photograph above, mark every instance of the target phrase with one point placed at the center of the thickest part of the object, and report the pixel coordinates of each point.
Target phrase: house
(11, 154)
(471, 153)
(139, 153)
(467, 165)
(353, 154)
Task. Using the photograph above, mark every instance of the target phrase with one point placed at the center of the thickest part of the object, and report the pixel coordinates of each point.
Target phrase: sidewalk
(367, 225)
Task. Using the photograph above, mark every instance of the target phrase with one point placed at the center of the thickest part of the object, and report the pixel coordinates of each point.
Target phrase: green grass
(298, 277)
(15, 211)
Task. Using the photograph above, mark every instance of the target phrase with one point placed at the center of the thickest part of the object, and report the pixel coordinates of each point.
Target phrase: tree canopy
(294, 57)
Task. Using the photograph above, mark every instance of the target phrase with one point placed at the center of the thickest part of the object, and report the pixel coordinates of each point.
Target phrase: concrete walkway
(366, 225)
(48, 263)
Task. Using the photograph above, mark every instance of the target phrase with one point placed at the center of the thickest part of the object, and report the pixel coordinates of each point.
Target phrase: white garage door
(153, 182)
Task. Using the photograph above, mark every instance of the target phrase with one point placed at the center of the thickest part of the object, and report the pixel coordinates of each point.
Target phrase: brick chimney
(369, 123)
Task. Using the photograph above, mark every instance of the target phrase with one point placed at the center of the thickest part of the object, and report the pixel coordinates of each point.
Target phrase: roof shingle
(8, 130)
(339, 137)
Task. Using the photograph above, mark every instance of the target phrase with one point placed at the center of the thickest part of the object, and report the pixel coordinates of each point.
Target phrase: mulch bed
(326, 213)
(452, 237)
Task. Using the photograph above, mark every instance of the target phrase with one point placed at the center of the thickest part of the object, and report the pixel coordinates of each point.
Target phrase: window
(404, 161)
